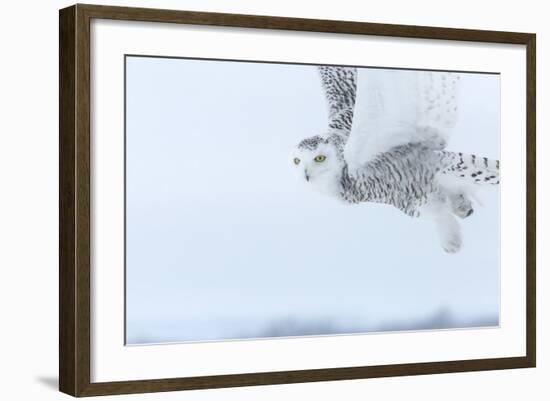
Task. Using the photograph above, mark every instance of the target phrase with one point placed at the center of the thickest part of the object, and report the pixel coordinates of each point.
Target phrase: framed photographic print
(250, 200)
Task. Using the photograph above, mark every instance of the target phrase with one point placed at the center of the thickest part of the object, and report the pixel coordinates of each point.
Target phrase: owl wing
(339, 85)
(396, 107)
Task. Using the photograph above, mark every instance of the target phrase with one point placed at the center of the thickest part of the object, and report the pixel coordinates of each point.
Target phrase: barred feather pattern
(479, 170)
(340, 85)
(406, 177)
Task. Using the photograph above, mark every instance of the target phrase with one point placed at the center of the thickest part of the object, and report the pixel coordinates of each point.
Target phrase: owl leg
(449, 232)
(461, 205)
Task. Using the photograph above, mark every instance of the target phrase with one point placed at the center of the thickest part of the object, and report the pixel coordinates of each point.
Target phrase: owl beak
(307, 176)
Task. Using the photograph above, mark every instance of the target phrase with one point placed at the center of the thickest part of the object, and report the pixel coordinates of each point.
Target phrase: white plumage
(395, 107)
(385, 143)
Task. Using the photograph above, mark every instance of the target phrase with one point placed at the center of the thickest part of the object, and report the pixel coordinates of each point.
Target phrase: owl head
(318, 158)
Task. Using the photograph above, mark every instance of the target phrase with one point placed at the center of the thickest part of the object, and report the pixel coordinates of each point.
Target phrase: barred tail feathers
(471, 168)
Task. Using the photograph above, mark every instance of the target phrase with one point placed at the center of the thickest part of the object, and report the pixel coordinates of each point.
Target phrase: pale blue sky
(224, 242)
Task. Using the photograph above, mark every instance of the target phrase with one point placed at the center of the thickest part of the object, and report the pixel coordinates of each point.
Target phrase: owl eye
(296, 161)
(320, 158)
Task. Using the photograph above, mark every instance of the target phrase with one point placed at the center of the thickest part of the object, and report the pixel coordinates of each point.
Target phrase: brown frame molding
(74, 199)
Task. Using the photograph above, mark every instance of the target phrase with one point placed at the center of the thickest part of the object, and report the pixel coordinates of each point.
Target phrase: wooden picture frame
(74, 203)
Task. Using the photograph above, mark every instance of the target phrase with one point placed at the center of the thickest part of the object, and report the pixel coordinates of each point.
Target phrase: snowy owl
(386, 141)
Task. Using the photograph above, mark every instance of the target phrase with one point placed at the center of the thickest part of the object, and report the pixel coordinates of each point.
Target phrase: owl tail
(471, 168)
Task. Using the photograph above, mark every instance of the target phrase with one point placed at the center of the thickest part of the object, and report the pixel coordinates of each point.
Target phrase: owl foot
(452, 245)
(461, 206)
(449, 233)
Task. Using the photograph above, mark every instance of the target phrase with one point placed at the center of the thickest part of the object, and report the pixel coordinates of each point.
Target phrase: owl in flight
(385, 143)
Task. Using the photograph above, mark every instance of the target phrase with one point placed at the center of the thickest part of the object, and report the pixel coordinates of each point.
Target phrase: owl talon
(453, 246)
(461, 206)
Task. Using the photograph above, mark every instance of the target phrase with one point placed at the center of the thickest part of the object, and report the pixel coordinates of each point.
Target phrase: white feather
(395, 107)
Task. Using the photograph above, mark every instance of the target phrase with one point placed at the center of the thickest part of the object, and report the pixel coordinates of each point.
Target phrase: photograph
(276, 200)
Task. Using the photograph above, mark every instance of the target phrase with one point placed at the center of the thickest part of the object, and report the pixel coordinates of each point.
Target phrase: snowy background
(223, 242)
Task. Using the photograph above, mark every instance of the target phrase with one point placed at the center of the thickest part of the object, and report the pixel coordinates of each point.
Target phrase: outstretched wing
(339, 84)
(396, 107)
